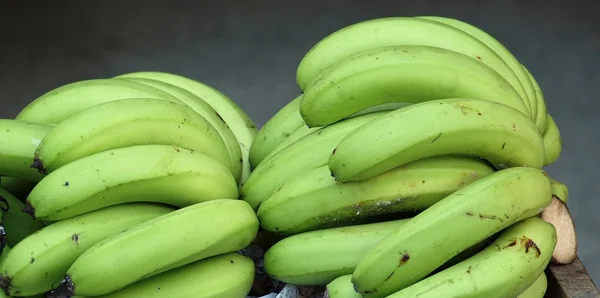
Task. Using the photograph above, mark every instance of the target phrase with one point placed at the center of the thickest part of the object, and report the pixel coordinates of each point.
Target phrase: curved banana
(207, 112)
(129, 122)
(542, 114)
(341, 287)
(409, 73)
(228, 275)
(18, 225)
(314, 200)
(70, 99)
(552, 142)
(496, 132)
(394, 31)
(506, 268)
(464, 218)
(560, 190)
(238, 121)
(181, 237)
(325, 254)
(148, 173)
(310, 152)
(20, 188)
(499, 49)
(537, 289)
(19, 142)
(275, 131)
(39, 262)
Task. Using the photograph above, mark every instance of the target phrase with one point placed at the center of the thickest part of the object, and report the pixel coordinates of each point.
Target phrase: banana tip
(28, 208)
(38, 165)
(66, 287)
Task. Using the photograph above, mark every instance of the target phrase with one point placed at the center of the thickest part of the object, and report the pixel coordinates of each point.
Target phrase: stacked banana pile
(127, 185)
(411, 166)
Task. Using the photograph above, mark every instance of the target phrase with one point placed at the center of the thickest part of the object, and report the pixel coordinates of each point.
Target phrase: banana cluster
(411, 165)
(127, 187)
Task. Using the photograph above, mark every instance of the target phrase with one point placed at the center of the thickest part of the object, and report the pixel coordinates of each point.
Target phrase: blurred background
(250, 50)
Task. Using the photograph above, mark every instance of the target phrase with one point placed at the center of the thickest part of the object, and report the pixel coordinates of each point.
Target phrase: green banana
(3, 255)
(401, 74)
(506, 268)
(149, 173)
(560, 190)
(325, 254)
(315, 200)
(205, 110)
(17, 148)
(496, 132)
(537, 289)
(308, 153)
(18, 225)
(499, 49)
(275, 131)
(129, 122)
(20, 188)
(70, 99)
(464, 218)
(238, 121)
(181, 237)
(341, 287)
(228, 275)
(39, 262)
(395, 31)
(552, 142)
(542, 114)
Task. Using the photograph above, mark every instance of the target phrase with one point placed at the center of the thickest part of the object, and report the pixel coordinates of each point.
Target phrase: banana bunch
(411, 165)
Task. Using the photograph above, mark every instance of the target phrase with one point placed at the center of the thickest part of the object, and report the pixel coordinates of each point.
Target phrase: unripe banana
(17, 148)
(542, 114)
(496, 132)
(181, 237)
(537, 289)
(310, 152)
(315, 200)
(552, 142)
(560, 190)
(408, 73)
(148, 173)
(70, 99)
(341, 287)
(506, 268)
(39, 262)
(18, 225)
(464, 218)
(238, 121)
(129, 122)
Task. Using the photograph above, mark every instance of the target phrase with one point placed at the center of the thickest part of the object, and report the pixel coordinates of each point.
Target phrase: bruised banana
(68, 100)
(18, 225)
(310, 152)
(181, 237)
(39, 262)
(552, 142)
(17, 148)
(464, 218)
(129, 122)
(148, 173)
(495, 132)
(507, 268)
(315, 200)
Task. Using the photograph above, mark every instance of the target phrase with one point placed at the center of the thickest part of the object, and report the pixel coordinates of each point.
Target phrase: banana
(3, 255)
(537, 289)
(275, 131)
(315, 200)
(506, 268)
(228, 275)
(18, 225)
(19, 142)
(70, 99)
(129, 122)
(205, 110)
(149, 173)
(499, 49)
(408, 73)
(181, 237)
(341, 287)
(325, 254)
(238, 121)
(464, 218)
(39, 262)
(395, 31)
(308, 153)
(18, 187)
(560, 190)
(552, 142)
(496, 132)
(542, 114)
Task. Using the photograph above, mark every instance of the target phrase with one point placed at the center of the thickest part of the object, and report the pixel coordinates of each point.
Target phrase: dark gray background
(250, 49)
